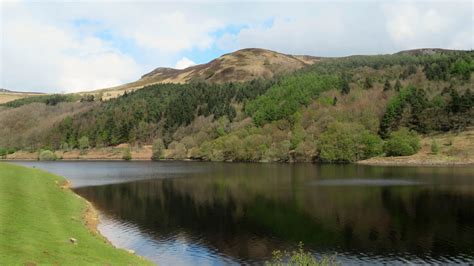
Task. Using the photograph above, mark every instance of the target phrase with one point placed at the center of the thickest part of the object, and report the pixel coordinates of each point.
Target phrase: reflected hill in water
(247, 210)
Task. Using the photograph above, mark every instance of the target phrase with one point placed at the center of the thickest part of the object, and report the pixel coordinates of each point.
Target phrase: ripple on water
(169, 249)
(365, 182)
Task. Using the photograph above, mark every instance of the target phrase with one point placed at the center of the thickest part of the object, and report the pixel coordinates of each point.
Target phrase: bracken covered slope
(240, 66)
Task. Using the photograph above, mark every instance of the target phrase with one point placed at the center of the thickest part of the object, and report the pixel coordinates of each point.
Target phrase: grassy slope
(37, 218)
(454, 149)
(8, 97)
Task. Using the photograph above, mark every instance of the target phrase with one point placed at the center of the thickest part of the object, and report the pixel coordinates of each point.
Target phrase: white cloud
(45, 49)
(445, 25)
(71, 46)
(40, 56)
(184, 63)
(173, 32)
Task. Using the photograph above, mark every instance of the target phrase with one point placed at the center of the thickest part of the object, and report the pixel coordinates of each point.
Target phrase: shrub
(127, 154)
(157, 149)
(178, 150)
(337, 143)
(402, 143)
(3, 153)
(278, 151)
(47, 155)
(348, 142)
(83, 143)
(65, 146)
(372, 145)
(299, 257)
(434, 147)
(305, 151)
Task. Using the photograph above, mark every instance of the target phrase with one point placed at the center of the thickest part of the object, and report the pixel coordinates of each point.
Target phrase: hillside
(426, 51)
(8, 96)
(337, 110)
(454, 149)
(240, 66)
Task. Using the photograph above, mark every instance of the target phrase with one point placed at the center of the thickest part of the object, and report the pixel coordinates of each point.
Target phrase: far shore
(376, 161)
(407, 161)
(455, 149)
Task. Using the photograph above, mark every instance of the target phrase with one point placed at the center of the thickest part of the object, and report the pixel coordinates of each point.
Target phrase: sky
(54, 46)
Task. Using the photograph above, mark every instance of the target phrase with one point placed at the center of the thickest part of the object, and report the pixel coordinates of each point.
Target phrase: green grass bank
(38, 218)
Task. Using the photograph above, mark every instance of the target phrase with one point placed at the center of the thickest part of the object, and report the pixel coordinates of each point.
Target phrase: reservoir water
(199, 213)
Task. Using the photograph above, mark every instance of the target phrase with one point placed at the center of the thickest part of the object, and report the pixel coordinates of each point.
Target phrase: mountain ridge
(238, 66)
(244, 55)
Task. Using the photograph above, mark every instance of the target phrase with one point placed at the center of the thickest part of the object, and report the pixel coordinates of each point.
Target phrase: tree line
(337, 110)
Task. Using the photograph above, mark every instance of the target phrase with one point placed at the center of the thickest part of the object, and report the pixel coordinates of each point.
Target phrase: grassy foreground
(38, 218)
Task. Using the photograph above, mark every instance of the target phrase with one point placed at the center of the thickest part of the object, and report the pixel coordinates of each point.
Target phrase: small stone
(73, 240)
(131, 251)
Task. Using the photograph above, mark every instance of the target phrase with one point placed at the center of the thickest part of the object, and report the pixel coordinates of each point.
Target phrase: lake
(200, 213)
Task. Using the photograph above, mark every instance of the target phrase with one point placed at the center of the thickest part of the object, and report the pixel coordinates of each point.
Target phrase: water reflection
(239, 213)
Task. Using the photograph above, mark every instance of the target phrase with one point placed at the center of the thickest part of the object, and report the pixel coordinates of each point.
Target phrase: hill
(8, 95)
(426, 51)
(240, 66)
(337, 110)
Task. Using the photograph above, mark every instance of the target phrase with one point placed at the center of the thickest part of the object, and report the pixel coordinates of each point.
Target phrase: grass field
(38, 217)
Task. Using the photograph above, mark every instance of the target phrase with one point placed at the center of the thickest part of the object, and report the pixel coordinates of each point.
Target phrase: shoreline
(71, 236)
(91, 218)
(455, 149)
(375, 161)
(382, 161)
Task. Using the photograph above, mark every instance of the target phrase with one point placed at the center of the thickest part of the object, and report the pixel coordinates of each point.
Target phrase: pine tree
(387, 86)
(368, 83)
(345, 87)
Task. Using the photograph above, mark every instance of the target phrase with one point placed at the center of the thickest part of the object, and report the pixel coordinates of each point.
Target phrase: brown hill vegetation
(240, 66)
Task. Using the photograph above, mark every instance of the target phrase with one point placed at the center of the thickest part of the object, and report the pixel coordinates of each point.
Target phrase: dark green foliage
(368, 83)
(462, 68)
(3, 153)
(410, 70)
(413, 109)
(387, 86)
(391, 119)
(403, 142)
(435, 71)
(167, 106)
(443, 67)
(46, 99)
(345, 88)
(87, 98)
(286, 97)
